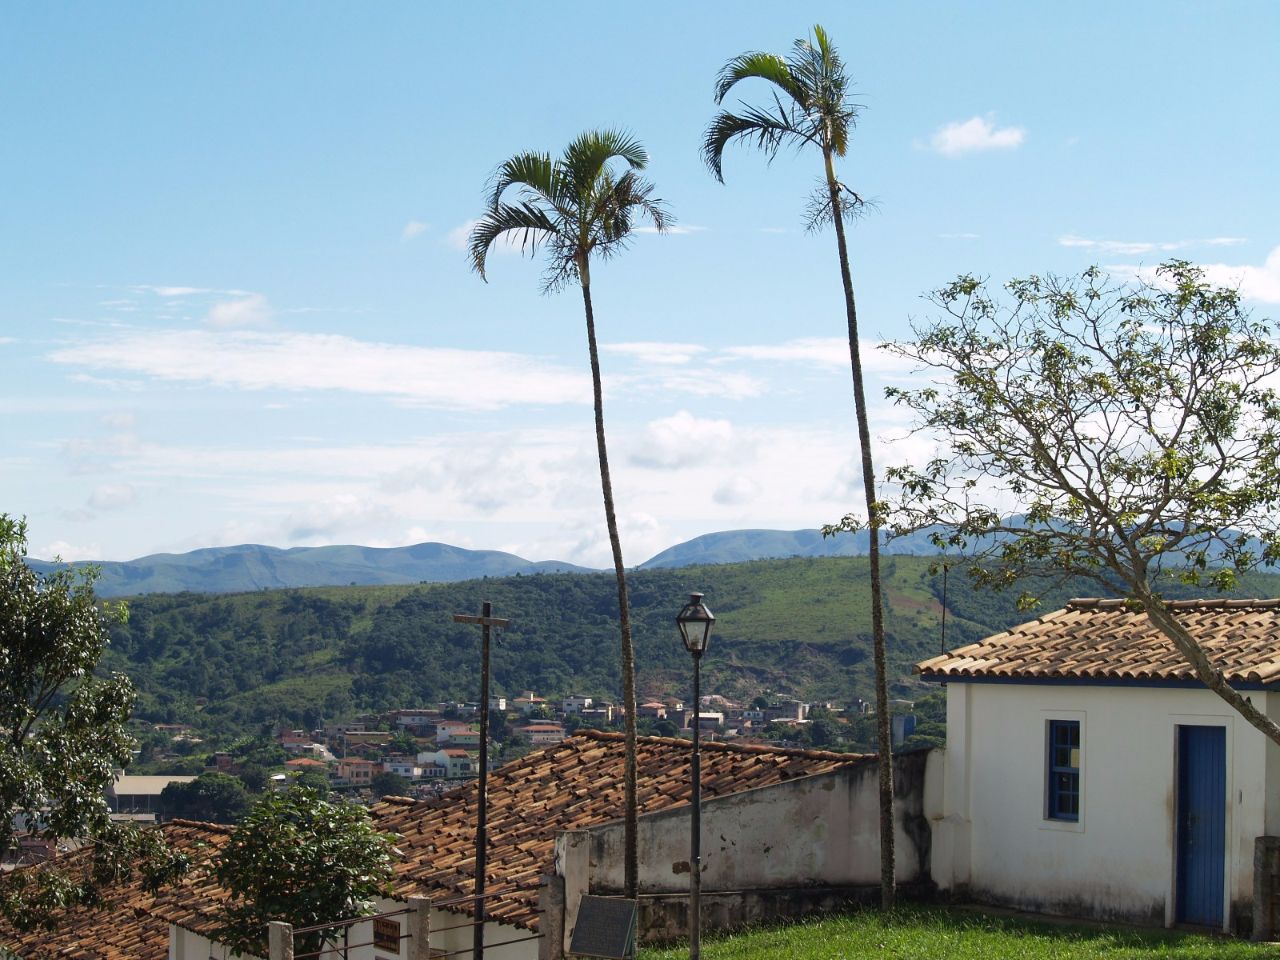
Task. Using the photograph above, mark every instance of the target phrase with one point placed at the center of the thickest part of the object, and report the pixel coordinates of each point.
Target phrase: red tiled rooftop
(1110, 640)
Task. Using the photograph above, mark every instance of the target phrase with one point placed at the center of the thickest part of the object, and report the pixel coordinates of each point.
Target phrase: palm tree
(811, 106)
(578, 207)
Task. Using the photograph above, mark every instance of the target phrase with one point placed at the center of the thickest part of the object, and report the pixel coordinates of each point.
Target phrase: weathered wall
(993, 841)
(821, 830)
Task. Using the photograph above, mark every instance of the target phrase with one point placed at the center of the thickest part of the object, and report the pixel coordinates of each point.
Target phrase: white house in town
(1088, 772)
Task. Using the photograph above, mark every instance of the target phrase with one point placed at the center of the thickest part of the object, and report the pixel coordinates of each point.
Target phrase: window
(1064, 770)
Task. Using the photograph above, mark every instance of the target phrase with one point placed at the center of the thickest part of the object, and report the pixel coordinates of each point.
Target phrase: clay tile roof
(127, 926)
(572, 785)
(1107, 640)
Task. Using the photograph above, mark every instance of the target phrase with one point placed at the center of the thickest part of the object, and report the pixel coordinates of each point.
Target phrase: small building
(139, 794)
(357, 771)
(1089, 772)
(652, 710)
(574, 703)
(540, 734)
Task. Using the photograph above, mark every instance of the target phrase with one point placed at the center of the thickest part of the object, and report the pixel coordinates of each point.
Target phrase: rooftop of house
(132, 785)
(1109, 640)
(125, 926)
(573, 785)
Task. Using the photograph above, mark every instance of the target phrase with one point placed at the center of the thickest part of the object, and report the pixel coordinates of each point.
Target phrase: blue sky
(235, 308)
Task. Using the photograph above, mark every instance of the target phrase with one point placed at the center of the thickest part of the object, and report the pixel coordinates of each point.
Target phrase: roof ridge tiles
(1201, 603)
(716, 745)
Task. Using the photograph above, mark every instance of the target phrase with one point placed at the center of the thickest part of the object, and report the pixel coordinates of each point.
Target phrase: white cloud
(5, 340)
(684, 440)
(976, 133)
(251, 360)
(172, 291)
(655, 352)
(247, 310)
(1261, 283)
(118, 421)
(816, 351)
(68, 551)
(412, 229)
(112, 496)
(1135, 248)
(679, 229)
(1257, 283)
(736, 491)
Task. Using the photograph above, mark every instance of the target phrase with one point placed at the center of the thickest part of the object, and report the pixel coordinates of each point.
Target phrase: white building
(575, 704)
(1088, 771)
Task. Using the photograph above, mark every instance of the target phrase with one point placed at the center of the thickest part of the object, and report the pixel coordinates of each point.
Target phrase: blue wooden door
(1202, 824)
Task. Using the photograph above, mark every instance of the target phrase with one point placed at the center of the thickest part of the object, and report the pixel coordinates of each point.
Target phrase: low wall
(807, 844)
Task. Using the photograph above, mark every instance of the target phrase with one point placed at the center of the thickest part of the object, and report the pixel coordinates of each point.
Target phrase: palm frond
(768, 131)
(534, 171)
(761, 66)
(531, 224)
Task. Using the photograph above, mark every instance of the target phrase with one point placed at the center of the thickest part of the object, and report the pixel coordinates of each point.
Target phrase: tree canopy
(1128, 434)
(63, 734)
(298, 858)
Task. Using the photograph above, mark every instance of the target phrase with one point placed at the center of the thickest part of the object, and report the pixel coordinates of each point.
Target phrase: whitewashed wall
(990, 834)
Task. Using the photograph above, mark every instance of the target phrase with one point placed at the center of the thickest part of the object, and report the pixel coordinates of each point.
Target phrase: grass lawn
(916, 933)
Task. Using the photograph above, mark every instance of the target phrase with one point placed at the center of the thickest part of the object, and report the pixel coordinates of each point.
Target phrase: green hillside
(798, 626)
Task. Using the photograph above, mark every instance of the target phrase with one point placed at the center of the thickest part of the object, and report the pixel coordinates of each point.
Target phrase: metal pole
(482, 803)
(695, 830)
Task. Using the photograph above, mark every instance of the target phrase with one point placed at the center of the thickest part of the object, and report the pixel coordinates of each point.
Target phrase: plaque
(606, 927)
(386, 934)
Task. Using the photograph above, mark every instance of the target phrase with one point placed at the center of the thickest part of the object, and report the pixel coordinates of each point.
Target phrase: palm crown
(575, 206)
(810, 102)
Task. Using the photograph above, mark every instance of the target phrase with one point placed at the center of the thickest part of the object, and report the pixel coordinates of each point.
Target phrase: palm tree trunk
(631, 865)
(883, 730)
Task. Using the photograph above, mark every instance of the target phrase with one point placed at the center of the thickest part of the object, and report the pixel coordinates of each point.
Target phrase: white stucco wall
(990, 832)
(817, 830)
(185, 945)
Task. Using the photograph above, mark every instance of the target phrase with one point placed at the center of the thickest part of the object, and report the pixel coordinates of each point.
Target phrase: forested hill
(798, 626)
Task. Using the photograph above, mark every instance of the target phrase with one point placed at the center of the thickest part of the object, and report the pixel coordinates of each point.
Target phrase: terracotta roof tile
(125, 927)
(572, 785)
(1108, 640)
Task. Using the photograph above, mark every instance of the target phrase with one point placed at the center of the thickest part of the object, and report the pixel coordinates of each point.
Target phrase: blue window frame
(1064, 770)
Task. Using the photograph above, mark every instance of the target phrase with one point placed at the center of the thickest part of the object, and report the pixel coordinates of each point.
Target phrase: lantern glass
(695, 622)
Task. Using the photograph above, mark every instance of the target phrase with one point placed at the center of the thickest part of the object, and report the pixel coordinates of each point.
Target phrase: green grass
(915, 933)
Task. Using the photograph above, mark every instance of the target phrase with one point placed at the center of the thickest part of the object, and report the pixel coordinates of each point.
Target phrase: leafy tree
(578, 207)
(403, 742)
(386, 784)
(316, 780)
(213, 797)
(62, 735)
(298, 858)
(811, 106)
(254, 777)
(1126, 434)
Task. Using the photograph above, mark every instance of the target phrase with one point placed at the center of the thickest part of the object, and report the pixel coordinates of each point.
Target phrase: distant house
(306, 763)
(446, 730)
(1088, 771)
(574, 703)
(540, 734)
(129, 794)
(527, 702)
(653, 710)
(357, 771)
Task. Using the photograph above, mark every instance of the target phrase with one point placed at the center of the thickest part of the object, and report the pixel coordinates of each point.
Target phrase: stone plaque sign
(606, 927)
(386, 934)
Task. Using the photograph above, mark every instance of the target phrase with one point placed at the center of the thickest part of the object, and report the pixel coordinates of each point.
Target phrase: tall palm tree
(811, 106)
(579, 206)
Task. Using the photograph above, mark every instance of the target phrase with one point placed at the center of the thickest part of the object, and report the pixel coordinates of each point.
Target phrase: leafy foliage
(62, 734)
(1127, 435)
(298, 858)
(212, 797)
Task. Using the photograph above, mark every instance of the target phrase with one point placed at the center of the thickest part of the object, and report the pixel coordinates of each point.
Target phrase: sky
(235, 305)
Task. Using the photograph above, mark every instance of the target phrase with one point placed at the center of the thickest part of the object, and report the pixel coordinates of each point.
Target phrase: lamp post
(695, 622)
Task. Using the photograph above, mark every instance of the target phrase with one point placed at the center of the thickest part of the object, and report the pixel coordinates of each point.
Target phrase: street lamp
(695, 622)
